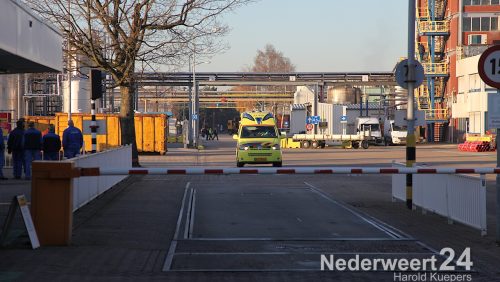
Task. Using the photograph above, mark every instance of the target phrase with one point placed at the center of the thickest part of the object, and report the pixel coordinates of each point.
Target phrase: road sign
(489, 71)
(343, 119)
(285, 124)
(309, 126)
(313, 119)
(402, 74)
(195, 117)
(489, 66)
(494, 110)
(101, 127)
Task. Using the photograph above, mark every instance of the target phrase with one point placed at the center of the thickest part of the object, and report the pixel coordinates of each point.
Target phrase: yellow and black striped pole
(411, 152)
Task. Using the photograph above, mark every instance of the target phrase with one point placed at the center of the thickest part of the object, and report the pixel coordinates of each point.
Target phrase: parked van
(258, 140)
(394, 134)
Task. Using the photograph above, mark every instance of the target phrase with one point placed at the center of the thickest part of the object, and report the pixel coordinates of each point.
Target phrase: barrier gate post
(411, 150)
(52, 201)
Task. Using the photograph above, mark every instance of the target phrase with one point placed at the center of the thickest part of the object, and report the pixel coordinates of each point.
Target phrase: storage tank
(80, 96)
(9, 102)
(343, 95)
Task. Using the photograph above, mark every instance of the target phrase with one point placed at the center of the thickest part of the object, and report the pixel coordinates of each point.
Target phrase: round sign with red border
(489, 66)
(309, 126)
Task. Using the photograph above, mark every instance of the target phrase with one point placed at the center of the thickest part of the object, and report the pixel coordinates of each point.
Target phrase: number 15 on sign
(489, 66)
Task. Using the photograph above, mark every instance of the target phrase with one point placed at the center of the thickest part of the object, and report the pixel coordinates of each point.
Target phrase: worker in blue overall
(51, 145)
(72, 140)
(32, 147)
(15, 144)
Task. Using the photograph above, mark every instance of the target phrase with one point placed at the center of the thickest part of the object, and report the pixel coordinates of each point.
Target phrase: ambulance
(258, 140)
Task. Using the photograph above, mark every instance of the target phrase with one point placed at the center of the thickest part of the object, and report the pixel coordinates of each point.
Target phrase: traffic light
(96, 84)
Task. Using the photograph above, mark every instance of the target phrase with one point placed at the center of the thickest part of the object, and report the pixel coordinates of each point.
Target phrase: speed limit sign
(309, 126)
(489, 66)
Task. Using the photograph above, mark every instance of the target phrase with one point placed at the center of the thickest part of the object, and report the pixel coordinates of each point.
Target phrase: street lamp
(195, 118)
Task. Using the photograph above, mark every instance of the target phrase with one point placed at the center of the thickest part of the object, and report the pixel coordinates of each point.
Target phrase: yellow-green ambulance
(258, 140)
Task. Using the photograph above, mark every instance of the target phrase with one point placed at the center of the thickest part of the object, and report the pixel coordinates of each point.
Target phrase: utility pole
(69, 61)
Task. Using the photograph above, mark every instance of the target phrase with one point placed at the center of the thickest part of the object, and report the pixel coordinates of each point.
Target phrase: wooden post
(52, 201)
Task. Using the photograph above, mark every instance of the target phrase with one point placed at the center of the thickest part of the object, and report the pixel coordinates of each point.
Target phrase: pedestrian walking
(51, 145)
(72, 140)
(32, 147)
(2, 155)
(210, 134)
(215, 135)
(15, 147)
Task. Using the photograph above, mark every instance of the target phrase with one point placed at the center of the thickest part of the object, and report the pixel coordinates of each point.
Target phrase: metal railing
(434, 26)
(436, 114)
(85, 189)
(435, 68)
(458, 197)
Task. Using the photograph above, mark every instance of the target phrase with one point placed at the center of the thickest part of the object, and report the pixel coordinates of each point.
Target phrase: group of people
(209, 134)
(27, 146)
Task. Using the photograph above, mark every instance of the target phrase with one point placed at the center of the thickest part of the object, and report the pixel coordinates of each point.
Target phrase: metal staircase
(433, 30)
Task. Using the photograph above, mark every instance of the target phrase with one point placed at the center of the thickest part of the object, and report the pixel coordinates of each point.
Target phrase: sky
(317, 35)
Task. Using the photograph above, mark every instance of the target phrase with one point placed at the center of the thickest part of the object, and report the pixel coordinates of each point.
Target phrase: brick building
(449, 31)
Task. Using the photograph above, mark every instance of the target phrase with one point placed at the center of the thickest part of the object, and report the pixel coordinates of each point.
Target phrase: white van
(394, 134)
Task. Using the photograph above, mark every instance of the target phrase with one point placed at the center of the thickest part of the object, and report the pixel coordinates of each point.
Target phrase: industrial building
(451, 34)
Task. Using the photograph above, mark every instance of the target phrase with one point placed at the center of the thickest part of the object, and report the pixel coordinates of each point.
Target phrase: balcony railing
(434, 26)
(436, 114)
(435, 68)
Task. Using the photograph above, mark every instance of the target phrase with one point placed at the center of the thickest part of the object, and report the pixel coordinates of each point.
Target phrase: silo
(80, 96)
(343, 95)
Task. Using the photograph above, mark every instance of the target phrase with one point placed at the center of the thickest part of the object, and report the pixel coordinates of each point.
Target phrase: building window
(480, 24)
(480, 2)
(485, 24)
(474, 83)
(466, 24)
(476, 24)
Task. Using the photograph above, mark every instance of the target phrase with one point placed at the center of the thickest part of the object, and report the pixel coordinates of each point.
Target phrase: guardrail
(87, 188)
(460, 198)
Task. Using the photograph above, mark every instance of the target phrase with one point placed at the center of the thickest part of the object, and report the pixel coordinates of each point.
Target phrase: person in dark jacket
(51, 145)
(2, 155)
(15, 147)
(32, 147)
(72, 140)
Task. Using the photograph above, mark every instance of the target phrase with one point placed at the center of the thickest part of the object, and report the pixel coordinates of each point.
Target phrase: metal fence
(85, 189)
(458, 197)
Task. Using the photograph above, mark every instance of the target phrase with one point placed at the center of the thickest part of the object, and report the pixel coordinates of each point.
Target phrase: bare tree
(268, 60)
(271, 60)
(120, 36)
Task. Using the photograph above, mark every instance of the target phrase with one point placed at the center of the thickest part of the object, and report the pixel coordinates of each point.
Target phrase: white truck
(394, 134)
(370, 126)
(367, 132)
(319, 140)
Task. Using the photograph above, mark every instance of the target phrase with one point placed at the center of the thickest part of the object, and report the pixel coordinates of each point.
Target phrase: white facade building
(470, 107)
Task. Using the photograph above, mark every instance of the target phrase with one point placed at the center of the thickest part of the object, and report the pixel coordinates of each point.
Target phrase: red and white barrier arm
(95, 171)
